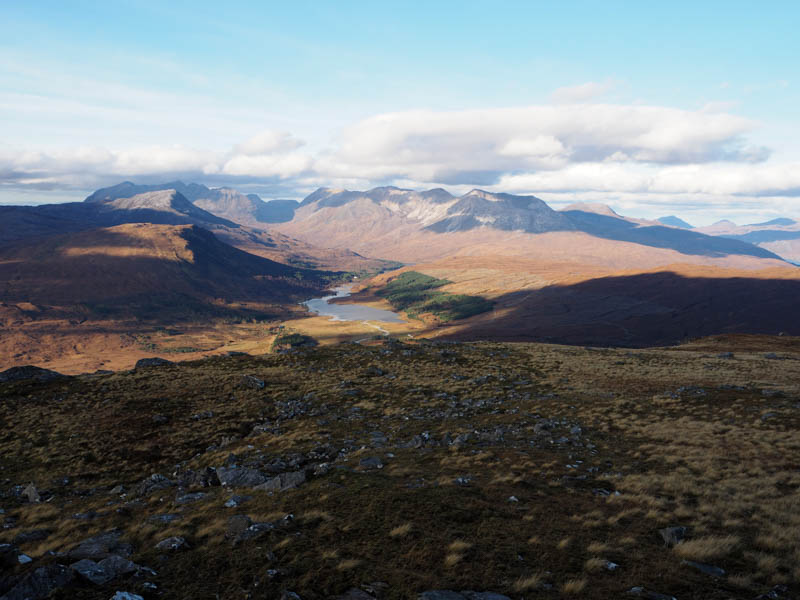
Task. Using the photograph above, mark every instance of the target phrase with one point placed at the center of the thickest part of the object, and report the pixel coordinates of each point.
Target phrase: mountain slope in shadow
(648, 309)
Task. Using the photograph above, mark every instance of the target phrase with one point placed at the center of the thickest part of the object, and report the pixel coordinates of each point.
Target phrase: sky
(678, 108)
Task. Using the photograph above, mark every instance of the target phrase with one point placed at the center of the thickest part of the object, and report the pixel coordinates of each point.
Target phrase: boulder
(172, 544)
(30, 372)
(240, 477)
(42, 582)
(101, 546)
(283, 482)
(673, 535)
(144, 363)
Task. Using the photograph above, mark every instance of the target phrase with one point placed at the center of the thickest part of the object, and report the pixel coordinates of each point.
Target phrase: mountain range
(583, 274)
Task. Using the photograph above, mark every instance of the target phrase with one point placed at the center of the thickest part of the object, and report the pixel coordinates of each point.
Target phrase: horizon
(652, 110)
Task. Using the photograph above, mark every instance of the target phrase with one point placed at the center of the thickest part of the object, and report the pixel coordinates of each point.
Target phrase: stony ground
(398, 469)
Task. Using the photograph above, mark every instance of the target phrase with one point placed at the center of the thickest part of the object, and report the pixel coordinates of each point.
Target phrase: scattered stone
(165, 518)
(704, 568)
(251, 382)
(371, 462)
(30, 372)
(101, 546)
(126, 596)
(610, 566)
(237, 524)
(42, 582)
(673, 535)
(160, 419)
(144, 363)
(35, 535)
(640, 592)
(31, 494)
(9, 556)
(725, 355)
(24, 559)
(287, 595)
(155, 482)
(283, 482)
(771, 356)
(117, 490)
(172, 544)
(468, 595)
(513, 499)
(235, 501)
(190, 498)
(240, 477)
(779, 592)
(355, 594)
(199, 479)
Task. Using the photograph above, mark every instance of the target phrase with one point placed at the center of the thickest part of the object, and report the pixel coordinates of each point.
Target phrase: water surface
(349, 312)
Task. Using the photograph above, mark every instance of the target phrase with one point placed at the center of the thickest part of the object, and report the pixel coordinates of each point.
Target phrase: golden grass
(401, 530)
(527, 583)
(459, 546)
(348, 564)
(707, 548)
(574, 586)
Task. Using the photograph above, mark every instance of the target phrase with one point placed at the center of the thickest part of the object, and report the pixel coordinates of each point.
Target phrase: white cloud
(268, 142)
(658, 154)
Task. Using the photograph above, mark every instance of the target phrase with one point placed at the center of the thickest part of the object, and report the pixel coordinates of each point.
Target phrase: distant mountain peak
(593, 207)
(673, 221)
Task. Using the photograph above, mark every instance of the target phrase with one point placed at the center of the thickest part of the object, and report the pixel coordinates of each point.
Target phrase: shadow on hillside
(656, 236)
(651, 309)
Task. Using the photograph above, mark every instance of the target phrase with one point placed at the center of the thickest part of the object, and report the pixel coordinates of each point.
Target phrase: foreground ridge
(403, 469)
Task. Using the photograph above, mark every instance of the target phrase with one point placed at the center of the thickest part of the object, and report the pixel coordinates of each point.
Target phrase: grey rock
(287, 595)
(34, 535)
(42, 582)
(235, 501)
(484, 596)
(190, 498)
(30, 372)
(126, 596)
(144, 363)
(240, 477)
(9, 556)
(725, 355)
(641, 592)
(237, 524)
(154, 483)
(91, 571)
(704, 568)
(164, 518)
(355, 594)
(199, 479)
(101, 546)
(371, 462)
(31, 494)
(172, 544)
(251, 382)
(283, 482)
(779, 592)
(673, 535)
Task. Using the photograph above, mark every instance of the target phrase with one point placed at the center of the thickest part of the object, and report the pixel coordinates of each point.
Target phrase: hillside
(114, 265)
(409, 470)
(159, 204)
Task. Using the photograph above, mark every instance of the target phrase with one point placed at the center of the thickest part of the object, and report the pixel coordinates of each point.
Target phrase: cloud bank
(570, 149)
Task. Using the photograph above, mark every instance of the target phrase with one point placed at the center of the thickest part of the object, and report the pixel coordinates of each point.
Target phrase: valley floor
(391, 469)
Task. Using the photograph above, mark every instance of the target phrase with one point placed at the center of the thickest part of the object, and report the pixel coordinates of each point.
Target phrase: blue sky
(674, 108)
